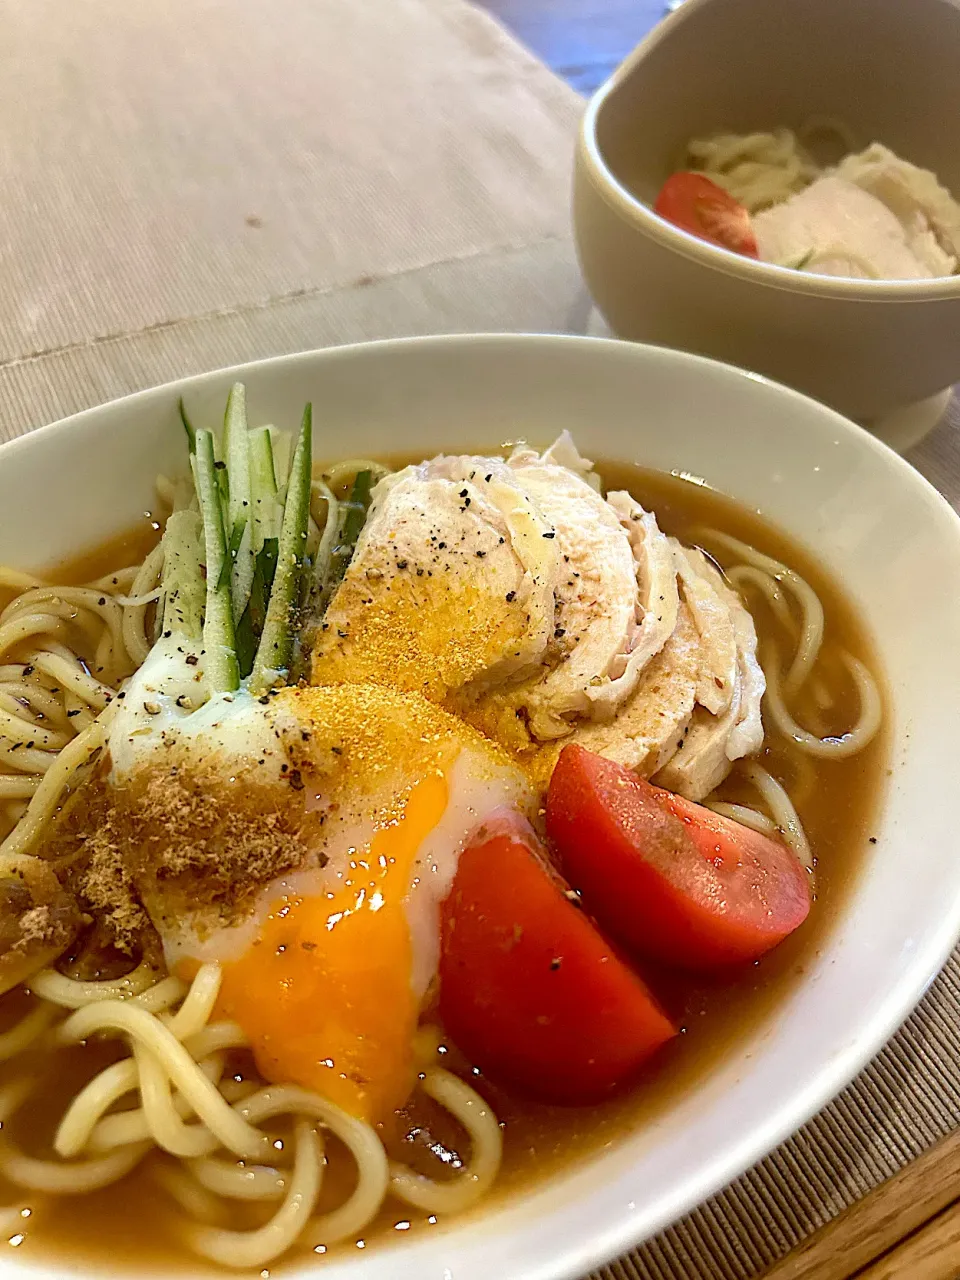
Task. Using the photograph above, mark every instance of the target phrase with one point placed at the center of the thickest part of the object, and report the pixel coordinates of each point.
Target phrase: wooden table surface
(582, 40)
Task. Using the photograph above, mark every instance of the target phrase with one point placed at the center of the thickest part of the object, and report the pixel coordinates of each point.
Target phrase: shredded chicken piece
(657, 603)
(926, 210)
(595, 612)
(835, 227)
(713, 618)
(653, 723)
(715, 742)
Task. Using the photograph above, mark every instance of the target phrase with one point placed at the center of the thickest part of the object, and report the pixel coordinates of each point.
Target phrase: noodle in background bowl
(866, 347)
(884, 533)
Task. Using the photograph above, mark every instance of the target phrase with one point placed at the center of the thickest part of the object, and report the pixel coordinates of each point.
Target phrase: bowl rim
(624, 1229)
(766, 274)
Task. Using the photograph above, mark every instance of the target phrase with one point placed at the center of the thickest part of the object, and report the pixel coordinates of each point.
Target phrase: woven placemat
(200, 183)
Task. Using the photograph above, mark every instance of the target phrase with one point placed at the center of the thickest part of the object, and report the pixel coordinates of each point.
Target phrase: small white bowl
(868, 517)
(888, 70)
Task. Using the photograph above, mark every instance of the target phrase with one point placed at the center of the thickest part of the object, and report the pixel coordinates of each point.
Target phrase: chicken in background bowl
(871, 215)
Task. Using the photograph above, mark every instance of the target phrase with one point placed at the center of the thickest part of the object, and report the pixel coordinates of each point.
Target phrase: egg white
(233, 731)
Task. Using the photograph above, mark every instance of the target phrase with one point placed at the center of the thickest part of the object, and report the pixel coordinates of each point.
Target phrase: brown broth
(129, 1223)
(121, 552)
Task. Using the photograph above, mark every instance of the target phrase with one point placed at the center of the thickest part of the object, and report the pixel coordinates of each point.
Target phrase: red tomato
(529, 989)
(666, 877)
(695, 204)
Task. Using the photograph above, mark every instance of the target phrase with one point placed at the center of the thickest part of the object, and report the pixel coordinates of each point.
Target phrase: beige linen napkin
(198, 182)
(195, 183)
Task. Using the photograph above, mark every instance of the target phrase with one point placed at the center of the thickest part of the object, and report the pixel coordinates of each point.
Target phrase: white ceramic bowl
(867, 347)
(867, 516)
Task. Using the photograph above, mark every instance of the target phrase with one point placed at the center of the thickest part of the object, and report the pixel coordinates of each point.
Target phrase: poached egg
(329, 963)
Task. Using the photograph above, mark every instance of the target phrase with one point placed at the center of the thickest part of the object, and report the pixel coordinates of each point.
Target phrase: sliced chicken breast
(714, 742)
(746, 738)
(452, 583)
(517, 595)
(595, 599)
(652, 724)
(657, 603)
(837, 228)
(926, 210)
(713, 619)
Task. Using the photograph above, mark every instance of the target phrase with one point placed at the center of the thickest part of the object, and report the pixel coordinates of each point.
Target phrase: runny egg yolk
(324, 994)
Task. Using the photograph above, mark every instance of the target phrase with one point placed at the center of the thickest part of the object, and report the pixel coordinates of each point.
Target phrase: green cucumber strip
(223, 482)
(250, 627)
(183, 586)
(276, 644)
(236, 453)
(267, 510)
(233, 548)
(259, 596)
(281, 444)
(261, 459)
(352, 519)
(267, 515)
(187, 426)
(267, 566)
(219, 639)
(246, 641)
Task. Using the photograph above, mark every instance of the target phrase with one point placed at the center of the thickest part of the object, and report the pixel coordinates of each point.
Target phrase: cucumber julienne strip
(247, 637)
(251, 537)
(219, 639)
(183, 585)
(354, 515)
(276, 643)
(187, 426)
(250, 626)
(281, 443)
(268, 516)
(236, 454)
(234, 544)
(267, 508)
(265, 517)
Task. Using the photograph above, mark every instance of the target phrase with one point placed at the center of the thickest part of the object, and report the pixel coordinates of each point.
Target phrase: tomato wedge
(670, 879)
(695, 204)
(529, 989)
